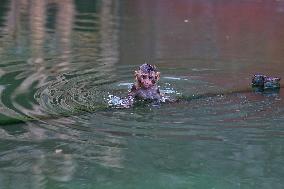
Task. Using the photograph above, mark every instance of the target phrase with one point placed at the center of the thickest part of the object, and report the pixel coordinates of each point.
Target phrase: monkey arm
(133, 91)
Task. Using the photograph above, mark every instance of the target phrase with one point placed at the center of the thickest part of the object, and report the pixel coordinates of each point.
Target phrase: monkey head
(147, 76)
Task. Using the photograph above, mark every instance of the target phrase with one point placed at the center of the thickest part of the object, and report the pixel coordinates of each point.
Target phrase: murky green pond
(61, 60)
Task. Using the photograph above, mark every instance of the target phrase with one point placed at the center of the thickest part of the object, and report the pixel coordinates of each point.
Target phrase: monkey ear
(158, 75)
(136, 73)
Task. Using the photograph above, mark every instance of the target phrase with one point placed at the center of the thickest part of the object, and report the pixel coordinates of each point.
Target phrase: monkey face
(147, 80)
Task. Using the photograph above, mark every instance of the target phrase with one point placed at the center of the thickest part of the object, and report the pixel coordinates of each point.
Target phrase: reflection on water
(60, 60)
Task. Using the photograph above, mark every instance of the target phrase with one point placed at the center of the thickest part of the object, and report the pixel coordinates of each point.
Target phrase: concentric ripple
(72, 93)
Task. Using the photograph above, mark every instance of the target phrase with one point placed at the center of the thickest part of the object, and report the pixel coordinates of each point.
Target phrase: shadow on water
(61, 58)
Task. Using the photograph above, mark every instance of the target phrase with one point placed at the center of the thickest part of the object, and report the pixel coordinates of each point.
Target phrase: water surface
(60, 61)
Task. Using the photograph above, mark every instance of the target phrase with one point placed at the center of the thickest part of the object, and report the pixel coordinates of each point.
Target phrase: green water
(61, 60)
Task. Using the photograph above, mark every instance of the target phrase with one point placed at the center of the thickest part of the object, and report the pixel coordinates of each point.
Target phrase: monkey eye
(151, 77)
(144, 76)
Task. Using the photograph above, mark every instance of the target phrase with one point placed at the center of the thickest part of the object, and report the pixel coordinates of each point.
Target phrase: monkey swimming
(145, 88)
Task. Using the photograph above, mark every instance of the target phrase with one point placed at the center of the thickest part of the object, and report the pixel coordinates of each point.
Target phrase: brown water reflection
(173, 33)
(242, 36)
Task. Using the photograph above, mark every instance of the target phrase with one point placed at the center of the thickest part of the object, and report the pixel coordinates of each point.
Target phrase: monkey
(145, 86)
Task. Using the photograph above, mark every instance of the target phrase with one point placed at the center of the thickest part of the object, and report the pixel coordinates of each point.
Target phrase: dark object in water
(264, 82)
